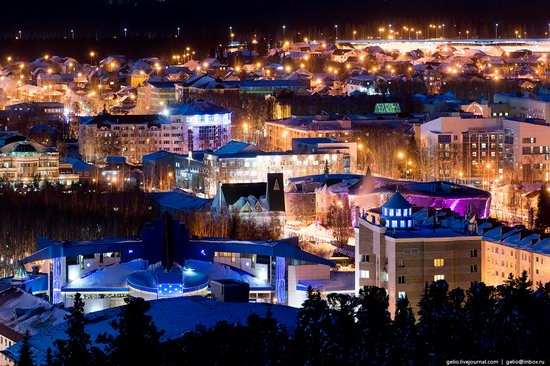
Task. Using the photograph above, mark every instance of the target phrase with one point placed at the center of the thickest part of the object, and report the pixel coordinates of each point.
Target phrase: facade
(23, 116)
(271, 87)
(130, 136)
(487, 150)
(188, 127)
(401, 250)
(528, 105)
(510, 251)
(343, 129)
(367, 84)
(154, 97)
(163, 170)
(239, 162)
(26, 162)
(202, 125)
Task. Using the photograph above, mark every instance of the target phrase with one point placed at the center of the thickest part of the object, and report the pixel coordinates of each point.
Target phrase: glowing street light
(125, 32)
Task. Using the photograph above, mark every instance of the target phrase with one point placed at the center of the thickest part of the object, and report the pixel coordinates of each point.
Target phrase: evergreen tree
(340, 345)
(480, 308)
(441, 325)
(313, 323)
(136, 331)
(25, 355)
(49, 358)
(402, 344)
(514, 319)
(373, 320)
(542, 221)
(74, 351)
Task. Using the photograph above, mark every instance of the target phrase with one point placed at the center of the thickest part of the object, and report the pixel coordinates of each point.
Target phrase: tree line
(509, 321)
(78, 213)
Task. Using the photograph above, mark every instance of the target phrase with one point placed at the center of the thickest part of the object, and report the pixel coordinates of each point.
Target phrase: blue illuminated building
(163, 262)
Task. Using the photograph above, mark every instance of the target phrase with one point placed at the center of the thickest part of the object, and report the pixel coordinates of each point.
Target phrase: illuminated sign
(387, 108)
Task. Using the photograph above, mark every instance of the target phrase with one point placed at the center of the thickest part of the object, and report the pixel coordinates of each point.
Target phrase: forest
(510, 321)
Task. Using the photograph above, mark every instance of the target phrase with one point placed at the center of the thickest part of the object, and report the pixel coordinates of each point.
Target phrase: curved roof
(397, 201)
(23, 147)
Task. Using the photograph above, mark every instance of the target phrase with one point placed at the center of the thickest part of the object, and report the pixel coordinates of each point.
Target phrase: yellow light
(92, 54)
(302, 66)
(288, 68)
(400, 155)
(258, 65)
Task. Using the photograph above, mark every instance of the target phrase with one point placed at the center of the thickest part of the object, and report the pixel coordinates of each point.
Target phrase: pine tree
(25, 355)
(341, 344)
(313, 324)
(542, 221)
(480, 308)
(136, 331)
(49, 358)
(441, 327)
(374, 322)
(74, 351)
(514, 318)
(402, 344)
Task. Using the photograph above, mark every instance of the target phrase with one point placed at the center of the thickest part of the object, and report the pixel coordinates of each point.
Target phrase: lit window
(401, 295)
(439, 278)
(391, 212)
(397, 212)
(440, 262)
(402, 223)
(364, 273)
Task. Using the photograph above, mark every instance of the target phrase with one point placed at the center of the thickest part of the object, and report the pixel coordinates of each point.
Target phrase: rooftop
(175, 316)
(197, 108)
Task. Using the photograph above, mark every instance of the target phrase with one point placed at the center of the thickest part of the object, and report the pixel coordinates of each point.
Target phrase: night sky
(152, 25)
(212, 16)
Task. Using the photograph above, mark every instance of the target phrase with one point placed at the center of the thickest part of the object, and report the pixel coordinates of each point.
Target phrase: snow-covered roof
(175, 316)
(21, 311)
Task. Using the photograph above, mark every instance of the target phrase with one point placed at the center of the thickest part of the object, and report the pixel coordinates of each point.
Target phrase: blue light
(203, 252)
(130, 251)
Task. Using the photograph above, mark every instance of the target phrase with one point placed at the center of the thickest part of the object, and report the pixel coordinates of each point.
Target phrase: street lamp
(335, 31)
(496, 31)
(125, 32)
(178, 32)
(284, 31)
(72, 33)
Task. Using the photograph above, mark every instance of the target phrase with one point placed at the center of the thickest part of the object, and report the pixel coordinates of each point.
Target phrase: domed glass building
(397, 212)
